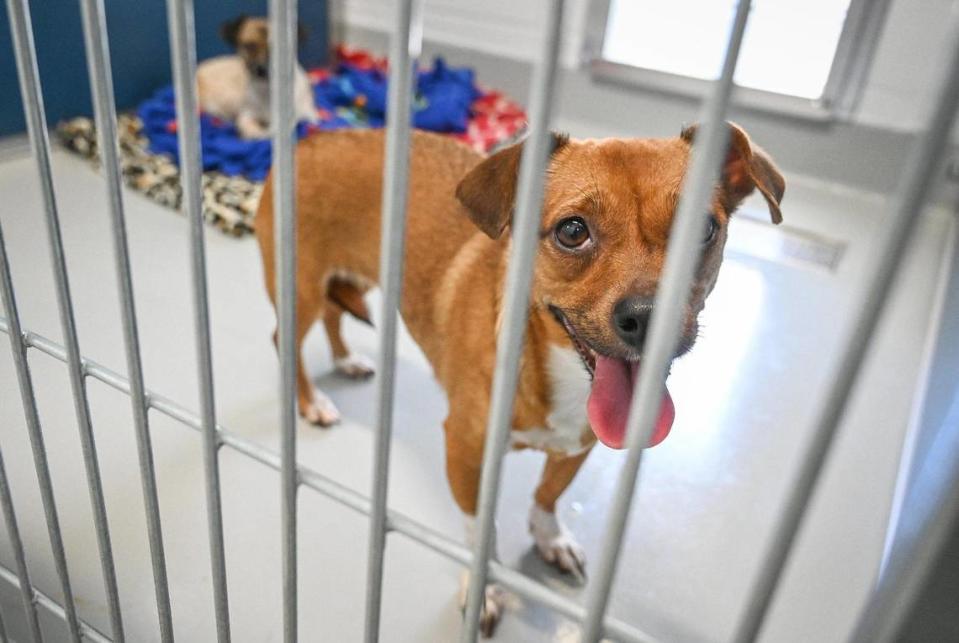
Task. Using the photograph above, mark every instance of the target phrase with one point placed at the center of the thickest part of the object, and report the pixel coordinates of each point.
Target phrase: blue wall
(138, 46)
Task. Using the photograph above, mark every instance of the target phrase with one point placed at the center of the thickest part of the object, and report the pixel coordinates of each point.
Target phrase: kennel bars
(404, 49)
(664, 332)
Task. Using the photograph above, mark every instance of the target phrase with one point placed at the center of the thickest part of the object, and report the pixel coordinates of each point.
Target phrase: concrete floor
(707, 498)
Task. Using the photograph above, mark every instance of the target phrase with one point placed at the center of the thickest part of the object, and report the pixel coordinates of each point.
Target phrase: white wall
(507, 28)
(907, 62)
(895, 95)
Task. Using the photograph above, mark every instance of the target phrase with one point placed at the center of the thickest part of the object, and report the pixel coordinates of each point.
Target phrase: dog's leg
(349, 364)
(314, 405)
(493, 599)
(249, 126)
(463, 462)
(553, 541)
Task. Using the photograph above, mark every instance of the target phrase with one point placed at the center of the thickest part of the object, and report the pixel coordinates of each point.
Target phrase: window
(810, 52)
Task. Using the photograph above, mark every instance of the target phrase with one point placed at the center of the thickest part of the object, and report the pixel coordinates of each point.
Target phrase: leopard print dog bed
(229, 202)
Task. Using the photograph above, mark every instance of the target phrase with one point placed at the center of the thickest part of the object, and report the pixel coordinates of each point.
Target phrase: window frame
(841, 93)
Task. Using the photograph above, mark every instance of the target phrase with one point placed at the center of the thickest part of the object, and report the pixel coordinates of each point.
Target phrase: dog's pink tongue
(609, 400)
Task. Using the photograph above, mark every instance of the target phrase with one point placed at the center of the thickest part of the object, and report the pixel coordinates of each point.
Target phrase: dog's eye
(572, 232)
(712, 226)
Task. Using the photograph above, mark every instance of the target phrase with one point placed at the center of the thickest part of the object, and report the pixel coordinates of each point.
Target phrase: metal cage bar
(183, 52)
(16, 544)
(404, 49)
(509, 345)
(29, 79)
(683, 252)
(3, 626)
(40, 464)
(664, 334)
(40, 599)
(451, 549)
(905, 213)
(101, 86)
(934, 502)
(282, 22)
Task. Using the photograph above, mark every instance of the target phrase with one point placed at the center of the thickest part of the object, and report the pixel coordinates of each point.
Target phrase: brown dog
(606, 219)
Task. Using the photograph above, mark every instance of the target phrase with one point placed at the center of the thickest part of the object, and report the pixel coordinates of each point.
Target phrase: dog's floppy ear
(488, 191)
(748, 167)
(230, 29)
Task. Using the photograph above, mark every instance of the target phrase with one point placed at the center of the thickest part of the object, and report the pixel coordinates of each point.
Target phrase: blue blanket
(349, 97)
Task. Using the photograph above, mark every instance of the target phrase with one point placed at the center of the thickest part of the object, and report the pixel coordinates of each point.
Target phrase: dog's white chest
(566, 421)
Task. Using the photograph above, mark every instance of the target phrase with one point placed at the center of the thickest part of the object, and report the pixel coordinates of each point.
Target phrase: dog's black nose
(630, 319)
(260, 71)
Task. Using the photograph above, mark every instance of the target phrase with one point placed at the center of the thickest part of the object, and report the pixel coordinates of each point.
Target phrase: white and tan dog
(606, 220)
(236, 87)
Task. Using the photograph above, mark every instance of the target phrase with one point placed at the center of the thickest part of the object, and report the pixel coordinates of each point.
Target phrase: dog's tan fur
(236, 88)
(454, 272)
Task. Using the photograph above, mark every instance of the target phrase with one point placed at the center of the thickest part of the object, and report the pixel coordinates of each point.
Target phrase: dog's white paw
(357, 367)
(321, 411)
(555, 544)
(251, 129)
(494, 603)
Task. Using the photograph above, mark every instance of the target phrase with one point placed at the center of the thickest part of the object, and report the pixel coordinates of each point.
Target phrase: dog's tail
(349, 297)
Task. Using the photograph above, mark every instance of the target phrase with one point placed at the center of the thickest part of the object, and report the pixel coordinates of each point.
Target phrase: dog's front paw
(491, 610)
(494, 602)
(321, 411)
(564, 553)
(355, 367)
(555, 544)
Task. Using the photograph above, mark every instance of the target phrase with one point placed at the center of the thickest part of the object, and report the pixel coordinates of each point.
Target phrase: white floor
(707, 500)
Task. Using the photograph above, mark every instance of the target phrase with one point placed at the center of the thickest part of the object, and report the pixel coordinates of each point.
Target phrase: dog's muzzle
(587, 354)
